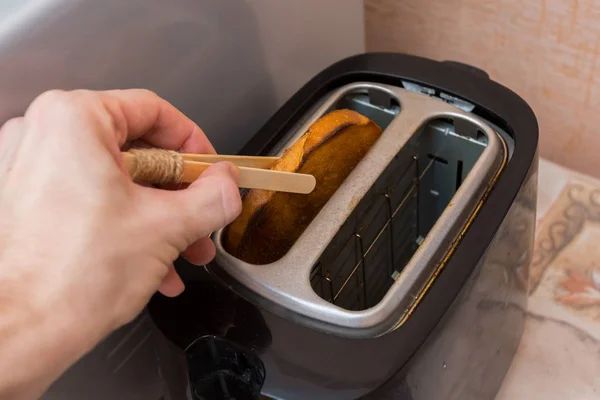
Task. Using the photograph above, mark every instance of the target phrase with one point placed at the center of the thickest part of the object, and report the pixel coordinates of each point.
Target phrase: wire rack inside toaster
(391, 221)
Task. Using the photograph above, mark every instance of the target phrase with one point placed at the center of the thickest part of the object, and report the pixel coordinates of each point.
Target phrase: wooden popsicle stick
(254, 178)
(240, 161)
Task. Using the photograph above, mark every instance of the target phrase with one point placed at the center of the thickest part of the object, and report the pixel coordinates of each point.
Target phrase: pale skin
(83, 248)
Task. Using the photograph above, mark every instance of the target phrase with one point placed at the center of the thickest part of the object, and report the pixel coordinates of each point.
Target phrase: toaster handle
(474, 70)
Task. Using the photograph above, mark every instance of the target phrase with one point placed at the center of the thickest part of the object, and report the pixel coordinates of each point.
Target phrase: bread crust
(271, 222)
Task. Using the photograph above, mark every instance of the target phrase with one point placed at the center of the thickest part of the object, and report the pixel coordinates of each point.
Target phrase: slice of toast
(271, 222)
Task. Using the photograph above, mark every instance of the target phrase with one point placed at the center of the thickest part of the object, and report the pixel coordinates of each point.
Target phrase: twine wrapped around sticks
(162, 167)
(157, 166)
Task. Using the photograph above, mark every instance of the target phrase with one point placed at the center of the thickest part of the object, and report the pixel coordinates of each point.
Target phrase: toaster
(410, 283)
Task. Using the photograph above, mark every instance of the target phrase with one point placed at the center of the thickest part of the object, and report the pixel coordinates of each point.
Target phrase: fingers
(148, 117)
(11, 131)
(12, 125)
(171, 285)
(129, 115)
(208, 204)
(11, 135)
(200, 252)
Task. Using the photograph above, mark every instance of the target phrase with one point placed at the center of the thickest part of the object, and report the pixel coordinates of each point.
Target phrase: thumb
(209, 203)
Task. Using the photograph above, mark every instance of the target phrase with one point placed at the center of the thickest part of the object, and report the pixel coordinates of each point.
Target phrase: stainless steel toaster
(409, 282)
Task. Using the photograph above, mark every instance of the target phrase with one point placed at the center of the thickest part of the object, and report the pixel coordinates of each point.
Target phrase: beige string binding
(161, 167)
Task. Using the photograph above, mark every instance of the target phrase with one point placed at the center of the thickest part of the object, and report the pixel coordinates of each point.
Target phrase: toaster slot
(391, 221)
(379, 105)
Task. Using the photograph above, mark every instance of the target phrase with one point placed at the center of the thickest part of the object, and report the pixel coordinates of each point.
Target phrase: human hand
(83, 248)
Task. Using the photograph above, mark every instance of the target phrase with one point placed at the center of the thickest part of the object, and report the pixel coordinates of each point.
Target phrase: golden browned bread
(270, 222)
